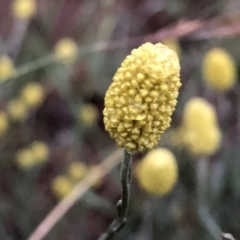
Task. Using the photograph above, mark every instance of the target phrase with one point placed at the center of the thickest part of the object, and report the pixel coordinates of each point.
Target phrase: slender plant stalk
(203, 211)
(123, 203)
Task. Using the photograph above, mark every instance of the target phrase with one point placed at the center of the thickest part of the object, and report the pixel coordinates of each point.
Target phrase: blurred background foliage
(57, 59)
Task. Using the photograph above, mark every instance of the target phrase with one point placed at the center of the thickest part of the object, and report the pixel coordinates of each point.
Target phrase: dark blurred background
(51, 125)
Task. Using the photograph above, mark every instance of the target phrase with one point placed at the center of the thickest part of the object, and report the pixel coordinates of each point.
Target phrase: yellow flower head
(142, 97)
(6, 68)
(32, 94)
(3, 123)
(201, 133)
(219, 70)
(17, 110)
(24, 9)
(173, 44)
(61, 186)
(157, 173)
(40, 151)
(77, 171)
(199, 113)
(25, 159)
(88, 115)
(66, 51)
(204, 142)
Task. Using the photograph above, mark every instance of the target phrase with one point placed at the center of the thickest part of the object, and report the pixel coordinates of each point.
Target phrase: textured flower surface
(157, 173)
(142, 97)
(201, 133)
(219, 70)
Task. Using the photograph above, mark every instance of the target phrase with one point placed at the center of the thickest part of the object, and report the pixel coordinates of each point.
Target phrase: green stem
(123, 203)
(203, 210)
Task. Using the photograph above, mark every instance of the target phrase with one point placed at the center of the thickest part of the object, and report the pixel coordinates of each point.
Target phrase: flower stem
(203, 211)
(123, 203)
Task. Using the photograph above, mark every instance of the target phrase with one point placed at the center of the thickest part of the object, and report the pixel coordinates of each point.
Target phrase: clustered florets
(142, 97)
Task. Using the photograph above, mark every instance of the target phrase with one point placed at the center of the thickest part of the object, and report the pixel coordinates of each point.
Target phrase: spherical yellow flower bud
(201, 133)
(32, 94)
(61, 186)
(199, 113)
(40, 151)
(24, 9)
(6, 68)
(204, 142)
(66, 50)
(77, 171)
(17, 110)
(173, 44)
(3, 123)
(219, 70)
(157, 173)
(142, 97)
(25, 159)
(88, 115)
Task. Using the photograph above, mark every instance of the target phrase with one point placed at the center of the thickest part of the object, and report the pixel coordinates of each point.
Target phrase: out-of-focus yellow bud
(219, 70)
(77, 170)
(61, 186)
(3, 123)
(142, 97)
(17, 110)
(88, 115)
(7, 69)
(157, 173)
(173, 44)
(202, 135)
(40, 151)
(24, 9)
(32, 94)
(199, 113)
(25, 158)
(66, 51)
(204, 142)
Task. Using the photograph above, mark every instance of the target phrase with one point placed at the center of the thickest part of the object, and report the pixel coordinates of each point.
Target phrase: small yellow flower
(199, 113)
(66, 50)
(219, 70)
(17, 110)
(157, 173)
(24, 9)
(32, 94)
(88, 115)
(6, 68)
(3, 123)
(201, 133)
(142, 97)
(40, 151)
(77, 171)
(204, 142)
(61, 186)
(25, 159)
(173, 44)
